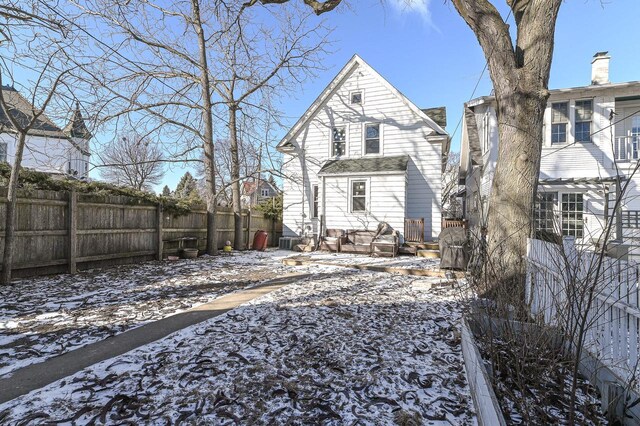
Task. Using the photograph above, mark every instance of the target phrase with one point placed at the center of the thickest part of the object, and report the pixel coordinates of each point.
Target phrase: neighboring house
(589, 150)
(48, 148)
(362, 154)
(255, 192)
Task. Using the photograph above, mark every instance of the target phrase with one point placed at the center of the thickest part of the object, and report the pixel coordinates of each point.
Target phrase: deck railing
(453, 223)
(625, 148)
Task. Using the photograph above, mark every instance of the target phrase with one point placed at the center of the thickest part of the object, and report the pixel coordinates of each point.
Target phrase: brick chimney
(600, 68)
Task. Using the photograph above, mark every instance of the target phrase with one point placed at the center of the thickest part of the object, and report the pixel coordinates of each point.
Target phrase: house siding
(403, 133)
(47, 154)
(385, 202)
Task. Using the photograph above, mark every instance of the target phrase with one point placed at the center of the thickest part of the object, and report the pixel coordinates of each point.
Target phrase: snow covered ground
(342, 347)
(48, 316)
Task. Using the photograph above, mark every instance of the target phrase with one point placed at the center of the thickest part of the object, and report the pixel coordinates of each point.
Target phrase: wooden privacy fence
(63, 231)
(559, 281)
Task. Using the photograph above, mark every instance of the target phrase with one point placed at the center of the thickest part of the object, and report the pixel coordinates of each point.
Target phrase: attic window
(356, 97)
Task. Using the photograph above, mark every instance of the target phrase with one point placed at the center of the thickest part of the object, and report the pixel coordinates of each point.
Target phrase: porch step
(431, 254)
(428, 245)
(432, 246)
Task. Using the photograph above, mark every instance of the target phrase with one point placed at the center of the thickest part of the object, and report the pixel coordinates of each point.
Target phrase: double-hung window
(572, 208)
(358, 196)
(264, 192)
(3, 152)
(584, 113)
(338, 141)
(545, 213)
(314, 211)
(372, 138)
(559, 120)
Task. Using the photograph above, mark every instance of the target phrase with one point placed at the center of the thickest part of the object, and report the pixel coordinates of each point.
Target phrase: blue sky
(430, 54)
(439, 62)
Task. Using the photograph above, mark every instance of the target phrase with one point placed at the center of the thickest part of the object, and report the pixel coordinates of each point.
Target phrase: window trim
(575, 120)
(567, 122)
(352, 92)
(346, 140)
(264, 192)
(315, 201)
(380, 138)
(367, 192)
(558, 213)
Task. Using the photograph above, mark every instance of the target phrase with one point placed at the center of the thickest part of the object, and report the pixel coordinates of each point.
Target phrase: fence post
(248, 228)
(73, 230)
(159, 231)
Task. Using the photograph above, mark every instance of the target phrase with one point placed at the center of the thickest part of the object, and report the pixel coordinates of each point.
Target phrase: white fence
(569, 288)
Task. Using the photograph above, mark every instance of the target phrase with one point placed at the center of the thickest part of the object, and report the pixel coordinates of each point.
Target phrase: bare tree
(450, 185)
(133, 160)
(257, 61)
(519, 70)
(169, 85)
(35, 54)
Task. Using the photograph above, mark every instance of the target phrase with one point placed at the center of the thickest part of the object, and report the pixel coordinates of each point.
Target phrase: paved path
(35, 376)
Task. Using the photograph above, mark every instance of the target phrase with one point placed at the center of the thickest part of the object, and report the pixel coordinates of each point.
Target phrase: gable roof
(337, 81)
(438, 114)
(365, 165)
(21, 111)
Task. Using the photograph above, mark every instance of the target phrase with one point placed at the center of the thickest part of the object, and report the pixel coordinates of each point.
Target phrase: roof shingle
(365, 165)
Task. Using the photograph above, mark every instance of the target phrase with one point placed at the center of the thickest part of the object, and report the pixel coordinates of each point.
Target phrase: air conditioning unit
(288, 243)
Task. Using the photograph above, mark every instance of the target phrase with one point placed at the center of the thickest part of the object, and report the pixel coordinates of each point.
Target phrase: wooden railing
(626, 148)
(453, 223)
(414, 230)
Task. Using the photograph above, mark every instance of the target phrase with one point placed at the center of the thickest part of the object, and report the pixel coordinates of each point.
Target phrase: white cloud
(421, 7)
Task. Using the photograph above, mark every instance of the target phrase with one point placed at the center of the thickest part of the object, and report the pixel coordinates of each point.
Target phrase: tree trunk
(209, 147)
(12, 202)
(235, 178)
(510, 219)
(520, 74)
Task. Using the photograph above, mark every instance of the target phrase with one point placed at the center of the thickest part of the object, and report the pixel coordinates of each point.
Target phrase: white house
(361, 154)
(256, 191)
(589, 150)
(48, 148)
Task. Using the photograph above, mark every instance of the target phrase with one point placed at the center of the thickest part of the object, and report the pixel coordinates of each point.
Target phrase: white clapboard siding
(403, 133)
(385, 202)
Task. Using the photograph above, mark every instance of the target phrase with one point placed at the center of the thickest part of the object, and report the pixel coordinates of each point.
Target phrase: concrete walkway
(36, 376)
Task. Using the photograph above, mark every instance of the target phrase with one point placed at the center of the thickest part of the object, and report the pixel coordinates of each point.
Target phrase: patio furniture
(358, 241)
(386, 242)
(332, 240)
(414, 230)
(454, 248)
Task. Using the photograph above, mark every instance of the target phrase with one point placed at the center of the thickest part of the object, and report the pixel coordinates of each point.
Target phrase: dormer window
(338, 141)
(356, 98)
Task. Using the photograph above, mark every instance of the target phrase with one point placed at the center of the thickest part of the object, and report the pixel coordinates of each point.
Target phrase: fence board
(613, 328)
(109, 230)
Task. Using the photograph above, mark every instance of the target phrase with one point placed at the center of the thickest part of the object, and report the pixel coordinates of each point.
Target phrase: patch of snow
(341, 347)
